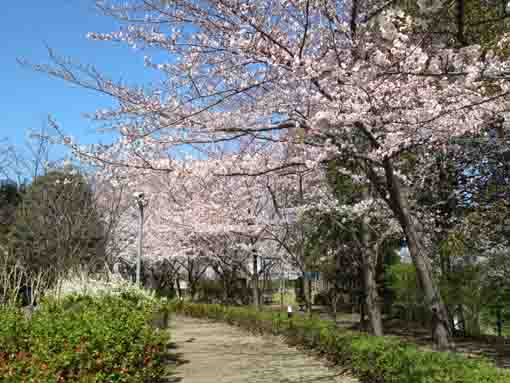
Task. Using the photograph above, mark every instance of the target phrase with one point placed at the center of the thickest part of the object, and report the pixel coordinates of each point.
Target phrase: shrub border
(371, 359)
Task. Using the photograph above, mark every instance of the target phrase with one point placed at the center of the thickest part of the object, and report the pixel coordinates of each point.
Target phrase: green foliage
(371, 359)
(484, 22)
(10, 196)
(57, 224)
(83, 339)
(464, 286)
(12, 330)
(402, 281)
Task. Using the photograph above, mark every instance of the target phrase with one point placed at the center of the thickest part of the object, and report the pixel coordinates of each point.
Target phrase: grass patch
(289, 298)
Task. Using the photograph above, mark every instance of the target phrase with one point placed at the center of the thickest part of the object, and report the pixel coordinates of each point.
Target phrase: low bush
(12, 330)
(372, 359)
(83, 339)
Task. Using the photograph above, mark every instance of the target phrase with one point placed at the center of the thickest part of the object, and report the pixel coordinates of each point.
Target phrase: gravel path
(213, 352)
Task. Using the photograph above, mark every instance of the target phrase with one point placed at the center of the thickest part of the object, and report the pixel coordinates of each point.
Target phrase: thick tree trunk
(433, 297)
(369, 266)
(255, 282)
(372, 299)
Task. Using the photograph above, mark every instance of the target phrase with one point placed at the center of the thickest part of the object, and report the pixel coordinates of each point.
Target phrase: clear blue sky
(28, 97)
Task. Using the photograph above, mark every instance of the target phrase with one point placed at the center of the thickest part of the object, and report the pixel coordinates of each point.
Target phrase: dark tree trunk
(225, 290)
(309, 296)
(192, 292)
(191, 282)
(282, 291)
(398, 204)
(461, 37)
(255, 282)
(362, 313)
(369, 259)
(178, 285)
(354, 18)
(499, 322)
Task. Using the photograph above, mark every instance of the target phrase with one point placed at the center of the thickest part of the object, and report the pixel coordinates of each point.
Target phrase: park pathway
(213, 352)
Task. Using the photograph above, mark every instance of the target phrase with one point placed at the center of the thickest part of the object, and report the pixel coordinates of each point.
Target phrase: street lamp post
(142, 203)
(282, 285)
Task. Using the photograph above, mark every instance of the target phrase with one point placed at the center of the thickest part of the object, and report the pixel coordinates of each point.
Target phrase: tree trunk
(362, 314)
(398, 204)
(255, 282)
(310, 298)
(307, 287)
(334, 301)
(178, 286)
(225, 290)
(372, 298)
(192, 292)
(369, 259)
(282, 287)
(461, 38)
(191, 283)
(499, 322)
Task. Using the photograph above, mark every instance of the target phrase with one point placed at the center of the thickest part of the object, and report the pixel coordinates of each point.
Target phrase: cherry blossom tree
(331, 80)
(189, 209)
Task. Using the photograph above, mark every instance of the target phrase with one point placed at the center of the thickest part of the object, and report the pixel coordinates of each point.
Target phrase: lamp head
(138, 195)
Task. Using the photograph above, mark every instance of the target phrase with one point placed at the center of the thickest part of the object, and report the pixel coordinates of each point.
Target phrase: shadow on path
(174, 359)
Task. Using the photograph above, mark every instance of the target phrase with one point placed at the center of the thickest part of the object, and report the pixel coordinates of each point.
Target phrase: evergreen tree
(57, 226)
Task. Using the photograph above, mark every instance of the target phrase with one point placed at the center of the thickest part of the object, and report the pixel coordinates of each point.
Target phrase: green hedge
(372, 359)
(83, 339)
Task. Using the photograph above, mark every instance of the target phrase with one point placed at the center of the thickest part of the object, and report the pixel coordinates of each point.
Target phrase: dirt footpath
(212, 352)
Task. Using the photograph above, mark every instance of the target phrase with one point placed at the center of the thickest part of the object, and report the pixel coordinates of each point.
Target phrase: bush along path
(108, 339)
(213, 352)
(371, 359)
